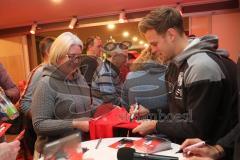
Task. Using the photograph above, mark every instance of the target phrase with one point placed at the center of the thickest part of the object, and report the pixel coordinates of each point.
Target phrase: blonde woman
(146, 56)
(145, 84)
(62, 95)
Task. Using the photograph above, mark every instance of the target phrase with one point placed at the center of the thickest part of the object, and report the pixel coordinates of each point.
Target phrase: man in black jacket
(223, 147)
(202, 80)
(222, 150)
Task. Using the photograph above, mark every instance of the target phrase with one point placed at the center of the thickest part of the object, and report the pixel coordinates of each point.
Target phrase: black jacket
(203, 100)
(232, 139)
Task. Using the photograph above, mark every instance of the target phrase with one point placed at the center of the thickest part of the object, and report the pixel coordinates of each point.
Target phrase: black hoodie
(204, 100)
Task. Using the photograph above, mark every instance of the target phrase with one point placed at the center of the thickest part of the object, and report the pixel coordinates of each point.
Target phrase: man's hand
(198, 158)
(9, 151)
(146, 127)
(214, 152)
(189, 142)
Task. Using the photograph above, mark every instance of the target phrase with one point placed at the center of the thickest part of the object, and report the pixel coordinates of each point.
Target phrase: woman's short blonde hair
(143, 58)
(61, 46)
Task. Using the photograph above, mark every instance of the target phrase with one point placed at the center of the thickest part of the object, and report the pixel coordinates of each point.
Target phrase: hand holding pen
(138, 110)
(200, 148)
(191, 147)
(135, 110)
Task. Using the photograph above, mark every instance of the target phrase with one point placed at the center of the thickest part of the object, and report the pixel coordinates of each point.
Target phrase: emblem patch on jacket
(178, 90)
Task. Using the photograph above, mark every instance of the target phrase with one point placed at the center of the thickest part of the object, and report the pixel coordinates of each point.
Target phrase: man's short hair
(45, 44)
(90, 41)
(161, 20)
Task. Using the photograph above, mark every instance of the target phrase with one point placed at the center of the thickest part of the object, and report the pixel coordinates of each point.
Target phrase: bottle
(3, 115)
(7, 107)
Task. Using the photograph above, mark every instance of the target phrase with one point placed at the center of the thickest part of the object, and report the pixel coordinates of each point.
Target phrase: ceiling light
(111, 26)
(141, 42)
(135, 39)
(57, 1)
(125, 34)
(146, 45)
(179, 8)
(122, 17)
(73, 23)
(33, 28)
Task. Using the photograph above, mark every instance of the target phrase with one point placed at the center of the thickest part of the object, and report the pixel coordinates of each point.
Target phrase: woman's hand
(83, 125)
(142, 111)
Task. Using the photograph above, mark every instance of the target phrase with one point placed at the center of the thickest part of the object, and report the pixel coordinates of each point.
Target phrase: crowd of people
(190, 79)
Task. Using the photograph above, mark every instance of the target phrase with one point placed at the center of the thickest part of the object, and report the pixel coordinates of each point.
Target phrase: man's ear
(171, 34)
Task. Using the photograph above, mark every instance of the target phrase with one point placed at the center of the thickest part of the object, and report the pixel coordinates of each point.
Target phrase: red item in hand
(102, 127)
(131, 125)
(103, 109)
(3, 128)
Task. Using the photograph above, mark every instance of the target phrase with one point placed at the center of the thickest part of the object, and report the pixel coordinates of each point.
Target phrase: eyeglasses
(110, 46)
(74, 56)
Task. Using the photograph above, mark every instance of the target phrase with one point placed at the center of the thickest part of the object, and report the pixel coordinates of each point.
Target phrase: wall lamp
(73, 23)
(33, 28)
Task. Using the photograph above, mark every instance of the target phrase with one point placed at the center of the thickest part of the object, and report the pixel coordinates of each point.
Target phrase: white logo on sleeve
(179, 91)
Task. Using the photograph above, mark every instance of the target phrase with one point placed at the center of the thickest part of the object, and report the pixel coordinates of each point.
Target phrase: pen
(199, 144)
(99, 141)
(135, 110)
(128, 132)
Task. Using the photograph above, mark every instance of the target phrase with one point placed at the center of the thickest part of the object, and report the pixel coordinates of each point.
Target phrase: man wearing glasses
(106, 84)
